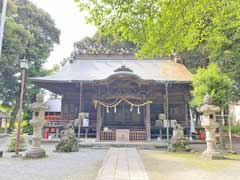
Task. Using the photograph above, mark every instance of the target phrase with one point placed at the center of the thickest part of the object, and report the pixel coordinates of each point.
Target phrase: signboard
(237, 115)
(159, 123)
(165, 123)
(173, 122)
(85, 122)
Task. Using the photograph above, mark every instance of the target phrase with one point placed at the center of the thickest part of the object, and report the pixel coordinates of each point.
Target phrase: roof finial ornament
(123, 68)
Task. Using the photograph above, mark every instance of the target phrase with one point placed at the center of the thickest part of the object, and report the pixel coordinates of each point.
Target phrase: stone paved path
(122, 164)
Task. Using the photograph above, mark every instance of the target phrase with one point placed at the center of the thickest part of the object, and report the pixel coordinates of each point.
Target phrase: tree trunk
(205, 61)
(221, 137)
(13, 117)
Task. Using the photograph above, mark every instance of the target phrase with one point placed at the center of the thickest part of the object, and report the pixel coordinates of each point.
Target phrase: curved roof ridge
(91, 70)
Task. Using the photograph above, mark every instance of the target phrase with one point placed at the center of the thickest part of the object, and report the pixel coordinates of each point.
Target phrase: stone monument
(68, 141)
(37, 123)
(209, 124)
(178, 142)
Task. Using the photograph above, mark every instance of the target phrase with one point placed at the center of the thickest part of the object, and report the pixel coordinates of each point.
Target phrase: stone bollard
(209, 124)
(37, 123)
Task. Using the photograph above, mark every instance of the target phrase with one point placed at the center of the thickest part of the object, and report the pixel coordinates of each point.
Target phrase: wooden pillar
(99, 122)
(186, 111)
(148, 122)
(80, 97)
(166, 113)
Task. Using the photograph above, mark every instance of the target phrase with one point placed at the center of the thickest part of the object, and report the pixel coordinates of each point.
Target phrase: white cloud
(71, 23)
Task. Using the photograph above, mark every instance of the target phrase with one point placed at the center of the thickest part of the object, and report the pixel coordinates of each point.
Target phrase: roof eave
(89, 81)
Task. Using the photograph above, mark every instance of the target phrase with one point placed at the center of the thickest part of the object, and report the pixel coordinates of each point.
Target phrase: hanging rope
(115, 103)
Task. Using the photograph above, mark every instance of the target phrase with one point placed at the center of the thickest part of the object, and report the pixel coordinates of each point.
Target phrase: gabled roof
(100, 68)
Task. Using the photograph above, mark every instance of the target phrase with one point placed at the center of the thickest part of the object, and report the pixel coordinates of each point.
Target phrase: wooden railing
(52, 117)
(138, 136)
(57, 123)
(107, 135)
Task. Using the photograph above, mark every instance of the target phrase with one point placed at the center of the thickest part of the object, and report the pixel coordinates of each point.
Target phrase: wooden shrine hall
(123, 95)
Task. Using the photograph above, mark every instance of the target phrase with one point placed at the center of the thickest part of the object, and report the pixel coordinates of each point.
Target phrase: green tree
(101, 44)
(104, 44)
(212, 81)
(201, 31)
(161, 27)
(29, 33)
(11, 146)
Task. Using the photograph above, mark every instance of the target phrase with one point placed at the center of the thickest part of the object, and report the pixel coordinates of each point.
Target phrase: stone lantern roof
(207, 105)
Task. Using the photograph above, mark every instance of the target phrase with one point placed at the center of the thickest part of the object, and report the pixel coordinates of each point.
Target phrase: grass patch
(187, 160)
(235, 129)
(232, 156)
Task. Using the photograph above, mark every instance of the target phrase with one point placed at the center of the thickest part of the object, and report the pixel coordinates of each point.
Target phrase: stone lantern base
(35, 153)
(212, 155)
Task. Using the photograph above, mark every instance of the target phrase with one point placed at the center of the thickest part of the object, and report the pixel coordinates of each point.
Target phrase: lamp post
(4, 10)
(23, 66)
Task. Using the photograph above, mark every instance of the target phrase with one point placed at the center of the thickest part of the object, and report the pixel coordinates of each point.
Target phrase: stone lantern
(37, 123)
(209, 124)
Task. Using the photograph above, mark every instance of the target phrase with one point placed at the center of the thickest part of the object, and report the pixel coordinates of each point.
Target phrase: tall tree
(208, 28)
(104, 44)
(161, 27)
(212, 81)
(101, 44)
(29, 33)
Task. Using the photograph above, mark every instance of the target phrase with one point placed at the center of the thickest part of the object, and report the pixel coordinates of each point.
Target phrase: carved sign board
(122, 135)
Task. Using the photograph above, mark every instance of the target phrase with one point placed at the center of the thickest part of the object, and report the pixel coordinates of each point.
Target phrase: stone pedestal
(122, 135)
(209, 124)
(37, 123)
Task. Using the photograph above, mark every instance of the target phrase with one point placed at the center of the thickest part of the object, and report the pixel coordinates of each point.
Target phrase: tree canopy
(211, 81)
(29, 33)
(100, 44)
(104, 44)
(201, 31)
(161, 27)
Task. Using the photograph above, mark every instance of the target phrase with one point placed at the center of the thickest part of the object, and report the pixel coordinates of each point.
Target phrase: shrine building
(121, 92)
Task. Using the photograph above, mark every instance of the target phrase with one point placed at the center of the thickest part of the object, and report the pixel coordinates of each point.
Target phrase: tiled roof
(87, 69)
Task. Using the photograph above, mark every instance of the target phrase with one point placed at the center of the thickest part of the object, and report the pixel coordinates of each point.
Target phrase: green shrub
(12, 142)
(27, 127)
(235, 129)
(2, 130)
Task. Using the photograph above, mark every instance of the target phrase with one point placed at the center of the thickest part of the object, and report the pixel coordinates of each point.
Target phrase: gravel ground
(85, 164)
(82, 165)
